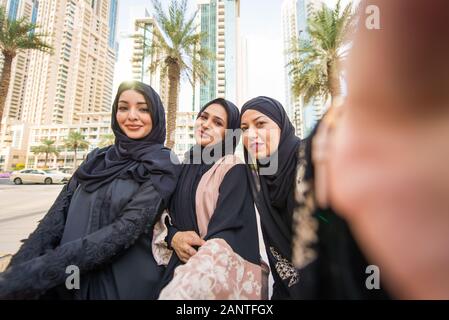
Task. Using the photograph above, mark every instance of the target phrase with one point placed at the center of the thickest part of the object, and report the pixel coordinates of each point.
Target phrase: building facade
(78, 77)
(95, 127)
(59, 89)
(16, 9)
(14, 133)
(220, 21)
(185, 130)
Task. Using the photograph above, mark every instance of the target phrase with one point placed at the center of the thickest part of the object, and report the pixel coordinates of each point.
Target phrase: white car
(39, 176)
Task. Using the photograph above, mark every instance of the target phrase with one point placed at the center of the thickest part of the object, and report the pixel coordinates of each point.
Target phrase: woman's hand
(183, 243)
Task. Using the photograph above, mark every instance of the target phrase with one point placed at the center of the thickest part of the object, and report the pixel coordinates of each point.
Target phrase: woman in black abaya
(102, 221)
(271, 149)
(213, 223)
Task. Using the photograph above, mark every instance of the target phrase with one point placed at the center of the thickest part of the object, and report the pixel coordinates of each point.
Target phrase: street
(22, 207)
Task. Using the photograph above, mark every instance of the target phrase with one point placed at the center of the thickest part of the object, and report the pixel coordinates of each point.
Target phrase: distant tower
(78, 77)
(220, 20)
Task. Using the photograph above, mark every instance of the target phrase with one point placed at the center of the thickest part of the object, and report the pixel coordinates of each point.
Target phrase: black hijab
(182, 206)
(139, 159)
(274, 196)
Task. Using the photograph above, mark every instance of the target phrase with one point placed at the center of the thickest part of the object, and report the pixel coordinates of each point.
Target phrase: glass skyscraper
(113, 23)
(208, 13)
(219, 20)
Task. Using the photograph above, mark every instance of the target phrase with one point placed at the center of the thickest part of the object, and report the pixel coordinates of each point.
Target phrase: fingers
(186, 253)
(183, 243)
(184, 258)
(188, 250)
(193, 239)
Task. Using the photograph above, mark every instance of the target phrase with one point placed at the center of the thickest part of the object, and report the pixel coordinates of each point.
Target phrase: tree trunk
(74, 161)
(334, 82)
(46, 160)
(4, 83)
(194, 96)
(174, 75)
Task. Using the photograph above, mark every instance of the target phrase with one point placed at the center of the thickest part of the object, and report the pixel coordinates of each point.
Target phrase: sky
(261, 26)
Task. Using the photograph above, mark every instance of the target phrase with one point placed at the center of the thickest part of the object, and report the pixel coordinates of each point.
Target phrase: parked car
(67, 170)
(39, 176)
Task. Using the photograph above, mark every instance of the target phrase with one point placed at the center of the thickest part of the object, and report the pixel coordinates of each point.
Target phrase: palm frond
(20, 35)
(180, 41)
(315, 61)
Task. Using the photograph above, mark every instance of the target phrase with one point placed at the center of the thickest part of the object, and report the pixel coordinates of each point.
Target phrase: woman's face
(211, 125)
(260, 134)
(133, 115)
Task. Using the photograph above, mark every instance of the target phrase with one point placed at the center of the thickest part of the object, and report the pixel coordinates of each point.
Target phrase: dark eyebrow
(217, 117)
(244, 123)
(259, 118)
(123, 101)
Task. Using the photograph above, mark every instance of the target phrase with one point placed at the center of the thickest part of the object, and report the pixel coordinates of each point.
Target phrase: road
(21, 208)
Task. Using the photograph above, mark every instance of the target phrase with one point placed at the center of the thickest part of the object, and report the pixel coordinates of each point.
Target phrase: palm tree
(16, 36)
(316, 66)
(106, 140)
(47, 147)
(75, 142)
(179, 52)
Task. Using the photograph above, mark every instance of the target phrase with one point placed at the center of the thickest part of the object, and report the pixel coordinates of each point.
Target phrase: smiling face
(260, 134)
(133, 115)
(211, 125)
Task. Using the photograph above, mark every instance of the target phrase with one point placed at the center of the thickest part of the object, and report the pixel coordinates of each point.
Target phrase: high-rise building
(185, 134)
(14, 134)
(220, 21)
(295, 14)
(113, 13)
(78, 77)
(14, 101)
(143, 38)
(76, 80)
